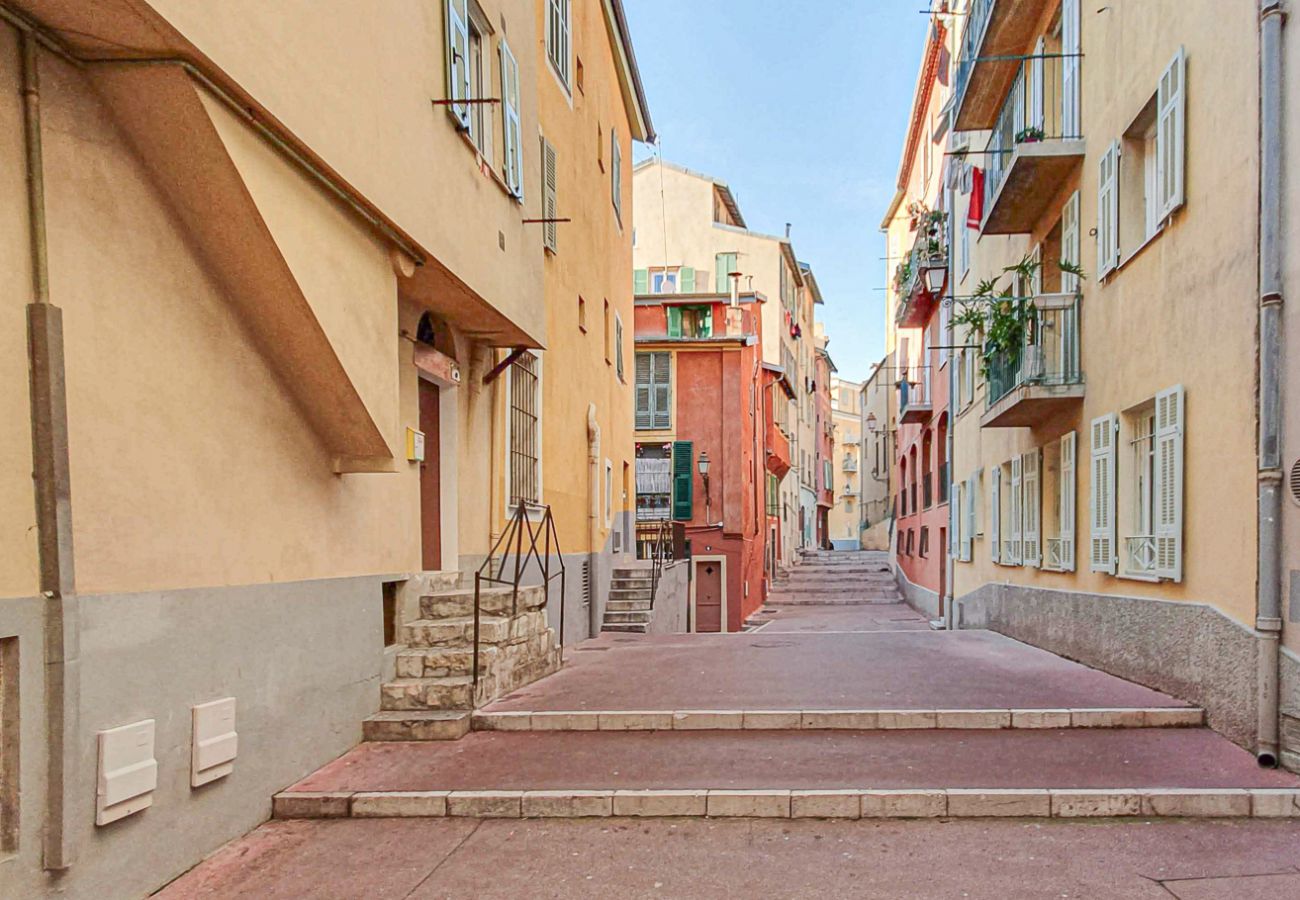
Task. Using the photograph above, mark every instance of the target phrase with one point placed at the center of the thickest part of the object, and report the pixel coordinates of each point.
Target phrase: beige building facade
(1106, 458)
(849, 515)
(258, 371)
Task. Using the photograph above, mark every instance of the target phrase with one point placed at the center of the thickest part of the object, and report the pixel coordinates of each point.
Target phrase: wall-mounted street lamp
(934, 279)
(704, 474)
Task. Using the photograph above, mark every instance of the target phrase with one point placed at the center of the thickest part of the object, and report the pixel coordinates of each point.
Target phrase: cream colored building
(259, 303)
(848, 515)
(692, 237)
(876, 402)
(1106, 471)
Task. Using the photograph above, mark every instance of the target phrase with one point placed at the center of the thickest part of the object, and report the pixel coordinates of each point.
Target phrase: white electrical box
(128, 772)
(215, 743)
(414, 445)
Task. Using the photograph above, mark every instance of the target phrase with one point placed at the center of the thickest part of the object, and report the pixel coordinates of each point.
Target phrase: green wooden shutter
(674, 321)
(644, 390)
(706, 326)
(724, 264)
(640, 281)
(686, 280)
(683, 481)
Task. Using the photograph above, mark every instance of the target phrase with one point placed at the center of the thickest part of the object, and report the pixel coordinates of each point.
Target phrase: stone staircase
(631, 601)
(836, 578)
(434, 692)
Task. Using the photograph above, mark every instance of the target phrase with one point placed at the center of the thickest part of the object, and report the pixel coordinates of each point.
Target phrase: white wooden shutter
(514, 159)
(968, 525)
(1102, 495)
(661, 378)
(1108, 210)
(954, 519)
(1070, 241)
(550, 197)
(1067, 488)
(1070, 47)
(458, 86)
(995, 515)
(616, 173)
(1031, 507)
(1168, 484)
(1014, 530)
(1171, 145)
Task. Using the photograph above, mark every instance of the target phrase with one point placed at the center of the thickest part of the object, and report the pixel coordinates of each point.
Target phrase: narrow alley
(842, 736)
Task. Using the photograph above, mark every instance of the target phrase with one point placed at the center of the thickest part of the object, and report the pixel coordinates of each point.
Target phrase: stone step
(630, 584)
(416, 725)
(626, 627)
(440, 662)
(452, 692)
(631, 594)
(626, 617)
(495, 601)
(800, 600)
(615, 604)
(455, 632)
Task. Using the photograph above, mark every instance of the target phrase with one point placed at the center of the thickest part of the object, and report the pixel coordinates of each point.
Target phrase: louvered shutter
(1070, 242)
(1014, 527)
(706, 320)
(725, 264)
(1101, 493)
(616, 173)
(1108, 210)
(640, 281)
(643, 390)
(686, 280)
(458, 85)
(514, 160)
(1031, 508)
(954, 519)
(682, 480)
(995, 515)
(1070, 47)
(1067, 501)
(674, 321)
(550, 201)
(1168, 484)
(968, 529)
(662, 395)
(1171, 111)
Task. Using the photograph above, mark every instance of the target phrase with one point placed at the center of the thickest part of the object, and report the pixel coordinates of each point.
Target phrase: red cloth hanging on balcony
(975, 209)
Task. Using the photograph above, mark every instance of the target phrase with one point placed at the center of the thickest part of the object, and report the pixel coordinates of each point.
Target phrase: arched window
(435, 333)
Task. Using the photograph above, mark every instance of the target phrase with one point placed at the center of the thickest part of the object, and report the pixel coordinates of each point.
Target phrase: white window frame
(512, 169)
(1102, 553)
(550, 197)
(616, 173)
(1068, 492)
(618, 348)
(1170, 426)
(559, 44)
(1108, 210)
(1031, 508)
(1171, 139)
(458, 61)
(995, 515)
(1070, 242)
(1012, 552)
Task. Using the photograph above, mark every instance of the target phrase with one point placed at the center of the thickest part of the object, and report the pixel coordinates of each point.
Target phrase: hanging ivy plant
(997, 319)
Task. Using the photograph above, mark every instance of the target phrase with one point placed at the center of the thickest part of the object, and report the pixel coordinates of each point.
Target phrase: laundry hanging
(975, 209)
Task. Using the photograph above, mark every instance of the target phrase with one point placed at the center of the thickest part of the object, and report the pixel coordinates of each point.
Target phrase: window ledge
(1138, 576)
(1140, 249)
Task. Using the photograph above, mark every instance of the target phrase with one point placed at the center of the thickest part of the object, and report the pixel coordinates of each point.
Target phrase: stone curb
(916, 803)
(855, 719)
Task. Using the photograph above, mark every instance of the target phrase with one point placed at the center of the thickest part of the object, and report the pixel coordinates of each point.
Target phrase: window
(550, 201)
(458, 69)
(605, 333)
(480, 121)
(1152, 516)
(690, 321)
(524, 427)
(1101, 500)
(582, 315)
(723, 265)
(925, 540)
(653, 391)
(616, 173)
(654, 483)
(578, 78)
(683, 480)
(1108, 210)
(609, 493)
(664, 281)
(513, 168)
(1058, 491)
(557, 38)
(618, 347)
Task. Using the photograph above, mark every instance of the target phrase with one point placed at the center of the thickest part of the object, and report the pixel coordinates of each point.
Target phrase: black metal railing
(529, 536)
(1047, 355)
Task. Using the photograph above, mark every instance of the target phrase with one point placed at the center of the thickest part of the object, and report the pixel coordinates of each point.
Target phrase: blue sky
(804, 116)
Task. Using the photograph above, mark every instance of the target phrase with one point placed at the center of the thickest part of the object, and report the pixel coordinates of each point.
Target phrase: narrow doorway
(943, 568)
(710, 595)
(430, 480)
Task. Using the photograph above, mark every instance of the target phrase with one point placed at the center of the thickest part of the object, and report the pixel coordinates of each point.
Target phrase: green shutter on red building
(683, 482)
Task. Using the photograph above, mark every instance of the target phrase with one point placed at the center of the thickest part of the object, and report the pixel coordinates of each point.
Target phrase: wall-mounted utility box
(215, 743)
(128, 772)
(414, 445)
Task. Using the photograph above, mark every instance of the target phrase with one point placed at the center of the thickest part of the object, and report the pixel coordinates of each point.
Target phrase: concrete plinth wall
(672, 600)
(921, 599)
(1290, 708)
(1189, 650)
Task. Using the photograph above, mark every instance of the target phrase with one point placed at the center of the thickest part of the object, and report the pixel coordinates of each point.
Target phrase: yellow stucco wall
(1182, 311)
(593, 261)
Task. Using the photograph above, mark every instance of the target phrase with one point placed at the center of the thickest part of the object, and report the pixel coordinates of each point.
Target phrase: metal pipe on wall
(1268, 621)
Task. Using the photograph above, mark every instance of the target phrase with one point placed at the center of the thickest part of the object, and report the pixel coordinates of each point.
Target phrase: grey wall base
(1189, 650)
(1289, 692)
(303, 661)
(672, 600)
(921, 599)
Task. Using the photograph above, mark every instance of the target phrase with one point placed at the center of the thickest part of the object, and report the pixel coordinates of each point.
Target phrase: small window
(618, 347)
(557, 38)
(606, 332)
(578, 75)
(925, 541)
(616, 173)
(582, 315)
(609, 493)
(524, 426)
(390, 612)
(513, 160)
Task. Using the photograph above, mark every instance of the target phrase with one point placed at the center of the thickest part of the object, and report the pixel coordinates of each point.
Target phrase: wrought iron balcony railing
(1049, 354)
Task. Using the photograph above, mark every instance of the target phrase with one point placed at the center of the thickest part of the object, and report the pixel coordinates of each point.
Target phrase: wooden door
(430, 482)
(710, 594)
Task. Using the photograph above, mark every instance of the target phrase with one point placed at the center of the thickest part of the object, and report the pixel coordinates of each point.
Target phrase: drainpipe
(593, 518)
(1268, 620)
(52, 488)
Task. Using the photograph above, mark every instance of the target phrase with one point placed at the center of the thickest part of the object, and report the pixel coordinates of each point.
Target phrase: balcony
(996, 31)
(778, 451)
(914, 402)
(919, 279)
(1043, 378)
(1034, 146)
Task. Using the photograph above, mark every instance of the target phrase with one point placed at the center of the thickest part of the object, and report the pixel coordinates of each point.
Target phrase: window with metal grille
(525, 437)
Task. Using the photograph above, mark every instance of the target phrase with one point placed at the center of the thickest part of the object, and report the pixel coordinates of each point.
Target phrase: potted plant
(1031, 135)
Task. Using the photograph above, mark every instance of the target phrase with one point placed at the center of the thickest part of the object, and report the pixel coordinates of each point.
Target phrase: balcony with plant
(920, 278)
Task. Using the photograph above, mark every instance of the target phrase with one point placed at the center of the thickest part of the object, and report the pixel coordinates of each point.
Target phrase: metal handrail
(661, 551)
(522, 524)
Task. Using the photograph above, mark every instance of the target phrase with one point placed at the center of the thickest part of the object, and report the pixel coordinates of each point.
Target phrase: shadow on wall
(672, 600)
